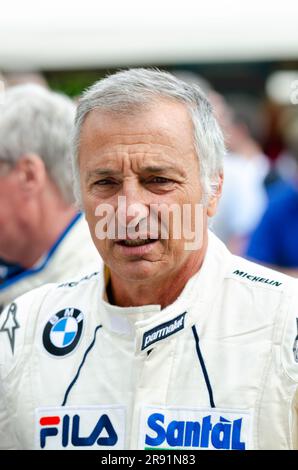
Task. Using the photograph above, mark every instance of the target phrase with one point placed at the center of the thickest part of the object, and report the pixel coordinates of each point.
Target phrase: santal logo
(195, 429)
(80, 428)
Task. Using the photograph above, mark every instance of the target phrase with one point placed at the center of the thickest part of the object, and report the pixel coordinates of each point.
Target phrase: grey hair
(36, 120)
(130, 90)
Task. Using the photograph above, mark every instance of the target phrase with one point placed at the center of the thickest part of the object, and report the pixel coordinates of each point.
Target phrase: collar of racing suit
(149, 326)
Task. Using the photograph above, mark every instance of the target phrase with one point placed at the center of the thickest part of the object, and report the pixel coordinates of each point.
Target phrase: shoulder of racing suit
(258, 278)
(254, 274)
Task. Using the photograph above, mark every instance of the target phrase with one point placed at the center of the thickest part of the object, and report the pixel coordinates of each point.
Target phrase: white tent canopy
(59, 34)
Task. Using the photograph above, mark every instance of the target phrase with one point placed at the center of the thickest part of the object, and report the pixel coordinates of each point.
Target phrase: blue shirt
(275, 240)
(8, 270)
(10, 274)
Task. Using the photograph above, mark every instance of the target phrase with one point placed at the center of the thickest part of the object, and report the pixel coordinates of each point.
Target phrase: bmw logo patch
(63, 331)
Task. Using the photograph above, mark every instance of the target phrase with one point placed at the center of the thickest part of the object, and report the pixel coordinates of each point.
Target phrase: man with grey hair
(175, 343)
(41, 230)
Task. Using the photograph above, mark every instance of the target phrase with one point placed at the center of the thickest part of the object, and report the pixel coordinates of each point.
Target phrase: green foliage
(72, 83)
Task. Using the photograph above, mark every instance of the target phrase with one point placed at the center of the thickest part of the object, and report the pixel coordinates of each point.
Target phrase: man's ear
(32, 173)
(215, 196)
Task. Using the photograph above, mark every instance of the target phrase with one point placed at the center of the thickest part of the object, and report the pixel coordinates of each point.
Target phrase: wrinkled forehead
(164, 123)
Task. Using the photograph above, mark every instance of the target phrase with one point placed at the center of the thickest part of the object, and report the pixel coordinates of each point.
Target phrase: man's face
(149, 158)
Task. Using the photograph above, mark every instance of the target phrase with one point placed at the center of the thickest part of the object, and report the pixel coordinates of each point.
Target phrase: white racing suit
(217, 369)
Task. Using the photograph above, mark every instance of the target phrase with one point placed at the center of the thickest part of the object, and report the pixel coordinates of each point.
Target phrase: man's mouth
(137, 242)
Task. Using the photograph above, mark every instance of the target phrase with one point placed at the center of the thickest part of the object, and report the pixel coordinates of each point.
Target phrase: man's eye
(160, 180)
(104, 182)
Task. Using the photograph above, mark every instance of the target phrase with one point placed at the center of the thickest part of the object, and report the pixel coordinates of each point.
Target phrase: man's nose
(132, 204)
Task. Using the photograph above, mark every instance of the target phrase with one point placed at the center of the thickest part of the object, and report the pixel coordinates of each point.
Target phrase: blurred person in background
(286, 164)
(21, 78)
(274, 241)
(42, 232)
(8, 270)
(246, 168)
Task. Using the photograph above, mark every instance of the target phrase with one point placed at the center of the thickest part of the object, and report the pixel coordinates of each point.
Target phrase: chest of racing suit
(214, 370)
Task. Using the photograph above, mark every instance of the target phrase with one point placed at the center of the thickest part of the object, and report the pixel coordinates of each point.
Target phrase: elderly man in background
(42, 232)
(175, 343)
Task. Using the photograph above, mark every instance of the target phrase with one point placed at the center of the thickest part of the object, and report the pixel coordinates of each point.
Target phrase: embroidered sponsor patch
(75, 283)
(295, 345)
(195, 428)
(10, 325)
(81, 427)
(255, 278)
(63, 331)
(163, 331)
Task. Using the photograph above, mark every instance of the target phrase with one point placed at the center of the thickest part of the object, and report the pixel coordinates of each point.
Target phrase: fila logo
(80, 428)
